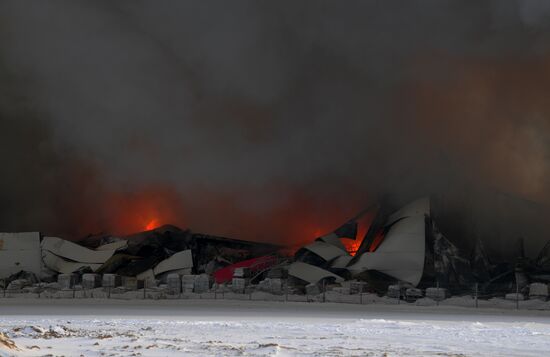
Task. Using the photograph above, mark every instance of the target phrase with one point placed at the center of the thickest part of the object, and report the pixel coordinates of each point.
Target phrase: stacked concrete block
(67, 281)
(395, 291)
(132, 283)
(91, 281)
(238, 285)
(202, 284)
(538, 291)
(437, 294)
(111, 281)
(413, 294)
(358, 287)
(514, 297)
(150, 283)
(272, 286)
(276, 286)
(173, 282)
(188, 283)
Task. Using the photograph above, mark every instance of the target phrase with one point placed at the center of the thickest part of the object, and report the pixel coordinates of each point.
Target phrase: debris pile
(404, 255)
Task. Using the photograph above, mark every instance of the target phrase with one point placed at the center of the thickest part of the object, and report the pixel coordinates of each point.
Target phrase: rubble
(403, 254)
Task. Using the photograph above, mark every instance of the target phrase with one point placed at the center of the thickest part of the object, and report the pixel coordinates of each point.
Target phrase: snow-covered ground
(251, 328)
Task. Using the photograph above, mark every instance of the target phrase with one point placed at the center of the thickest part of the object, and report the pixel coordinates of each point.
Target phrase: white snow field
(252, 328)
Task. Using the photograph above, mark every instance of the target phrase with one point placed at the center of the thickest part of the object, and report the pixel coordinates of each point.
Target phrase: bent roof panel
(310, 273)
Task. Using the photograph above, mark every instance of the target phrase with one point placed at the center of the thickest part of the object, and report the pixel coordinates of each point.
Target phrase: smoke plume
(272, 120)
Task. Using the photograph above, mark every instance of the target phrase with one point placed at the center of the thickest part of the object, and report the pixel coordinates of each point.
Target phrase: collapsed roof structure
(150, 254)
(406, 245)
(403, 244)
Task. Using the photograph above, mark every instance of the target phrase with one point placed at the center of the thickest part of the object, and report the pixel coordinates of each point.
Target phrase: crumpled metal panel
(341, 262)
(75, 252)
(420, 207)
(60, 265)
(180, 260)
(326, 251)
(332, 239)
(401, 254)
(311, 273)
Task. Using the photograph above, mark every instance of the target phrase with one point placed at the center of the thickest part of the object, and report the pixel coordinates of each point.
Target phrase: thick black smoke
(255, 109)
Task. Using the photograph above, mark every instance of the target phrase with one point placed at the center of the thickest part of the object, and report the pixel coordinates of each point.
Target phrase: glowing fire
(154, 223)
(352, 246)
(143, 210)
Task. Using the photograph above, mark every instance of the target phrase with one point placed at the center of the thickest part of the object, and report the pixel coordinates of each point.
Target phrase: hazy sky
(249, 117)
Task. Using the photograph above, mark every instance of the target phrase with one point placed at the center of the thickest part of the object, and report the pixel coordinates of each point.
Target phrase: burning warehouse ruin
(404, 251)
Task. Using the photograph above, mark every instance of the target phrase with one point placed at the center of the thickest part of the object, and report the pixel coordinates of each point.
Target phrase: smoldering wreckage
(404, 255)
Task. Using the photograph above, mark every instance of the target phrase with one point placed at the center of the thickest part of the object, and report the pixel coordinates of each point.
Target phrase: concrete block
(132, 283)
(413, 294)
(437, 294)
(67, 281)
(538, 291)
(91, 281)
(111, 280)
(514, 297)
(173, 282)
(358, 287)
(202, 283)
(239, 285)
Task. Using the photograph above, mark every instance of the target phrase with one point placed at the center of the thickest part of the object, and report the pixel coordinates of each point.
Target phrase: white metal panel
(13, 261)
(401, 254)
(20, 241)
(341, 262)
(113, 246)
(326, 251)
(60, 265)
(180, 260)
(332, 239)
(146, 275)
(75, 252)
(407, 235)
(310, 273)
(416, 208)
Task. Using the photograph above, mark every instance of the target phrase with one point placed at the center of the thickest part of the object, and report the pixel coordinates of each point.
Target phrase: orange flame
(154, 223)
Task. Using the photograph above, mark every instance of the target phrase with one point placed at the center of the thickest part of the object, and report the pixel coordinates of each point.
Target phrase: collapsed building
(403, 251)
(405, 246)
(150, 255)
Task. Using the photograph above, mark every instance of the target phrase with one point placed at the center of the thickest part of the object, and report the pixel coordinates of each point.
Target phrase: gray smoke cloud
(260, 114)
